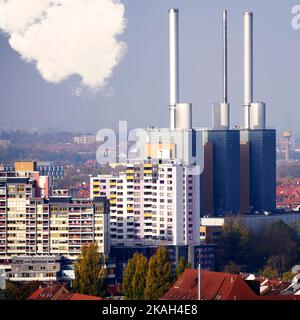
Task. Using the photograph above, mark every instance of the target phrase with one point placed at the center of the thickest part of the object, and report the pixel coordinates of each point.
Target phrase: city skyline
(139, 158)
(145, 63)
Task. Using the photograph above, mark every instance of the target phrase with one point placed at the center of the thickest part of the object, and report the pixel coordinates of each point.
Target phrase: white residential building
(152, 204)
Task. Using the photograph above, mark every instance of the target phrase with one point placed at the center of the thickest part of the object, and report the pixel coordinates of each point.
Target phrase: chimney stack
(221, 117)
(224, 28)
(174, 65)
(248, 66)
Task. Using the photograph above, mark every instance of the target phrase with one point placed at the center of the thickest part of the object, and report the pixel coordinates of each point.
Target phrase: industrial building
(260, 159)
(203, 253)
(259, 183)
(225, 167)
(239, 164)
(220, 193)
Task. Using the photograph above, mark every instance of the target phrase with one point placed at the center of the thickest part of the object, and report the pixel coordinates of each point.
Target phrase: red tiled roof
(274, 287)
(218, 286)
(47, 293)
(288, 194)
(214, 286)
(59, 292)
(35, 294)
(114, 290)
(77, 296)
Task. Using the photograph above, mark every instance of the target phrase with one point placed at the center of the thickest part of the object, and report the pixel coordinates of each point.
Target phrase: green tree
(180, 267)
(19, 291)
(89, 271)
(235, 243)
(159, 275)
(134, 278)
(279, 246)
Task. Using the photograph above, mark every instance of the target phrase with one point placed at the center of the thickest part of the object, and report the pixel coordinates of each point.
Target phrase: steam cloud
(66, 37)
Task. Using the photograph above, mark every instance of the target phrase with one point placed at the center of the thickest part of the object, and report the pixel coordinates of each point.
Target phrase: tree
(180, 267)
(19, 291)
(89, 271)
(232, 267)
(279, 245)
(288, 276)
(234, 244)
(134, 278)
(159, 275)
(269, 273)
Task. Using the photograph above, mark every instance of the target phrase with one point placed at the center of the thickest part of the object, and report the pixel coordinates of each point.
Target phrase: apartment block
(31, 225)
(151, 204)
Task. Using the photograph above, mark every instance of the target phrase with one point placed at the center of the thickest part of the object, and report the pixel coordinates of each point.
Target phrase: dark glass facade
(226, 170)
(262, 168)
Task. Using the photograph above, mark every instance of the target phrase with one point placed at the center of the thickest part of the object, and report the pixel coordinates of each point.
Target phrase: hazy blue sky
(138, 90)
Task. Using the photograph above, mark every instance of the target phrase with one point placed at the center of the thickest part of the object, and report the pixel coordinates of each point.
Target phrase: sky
(137, 90)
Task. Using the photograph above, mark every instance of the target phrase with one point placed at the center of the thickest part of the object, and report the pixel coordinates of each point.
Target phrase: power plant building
(226, 170)
(262, 166)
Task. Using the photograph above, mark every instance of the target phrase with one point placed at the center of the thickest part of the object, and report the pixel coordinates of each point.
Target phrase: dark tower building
(226, 170)
(241, 173)
(260, 143)
(262, 168)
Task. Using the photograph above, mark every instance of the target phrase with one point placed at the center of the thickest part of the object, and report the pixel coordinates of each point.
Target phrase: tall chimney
(220, 111)
(224, 28)
(174, 65)
(248, 66)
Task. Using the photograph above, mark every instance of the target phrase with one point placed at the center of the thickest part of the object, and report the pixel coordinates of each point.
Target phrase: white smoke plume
(67, 37)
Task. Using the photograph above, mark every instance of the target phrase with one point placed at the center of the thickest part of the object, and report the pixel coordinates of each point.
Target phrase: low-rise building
(35, 268)
(85, 139)
(193, 255)
(4, 144)
(256, 222)
(210, 234)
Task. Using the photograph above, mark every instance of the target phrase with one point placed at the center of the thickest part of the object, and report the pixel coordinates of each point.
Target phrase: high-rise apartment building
(151, 204)
(31, 225)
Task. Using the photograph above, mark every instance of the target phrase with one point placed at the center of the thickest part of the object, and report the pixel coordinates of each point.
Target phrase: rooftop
(225, 286)
(57, 291)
